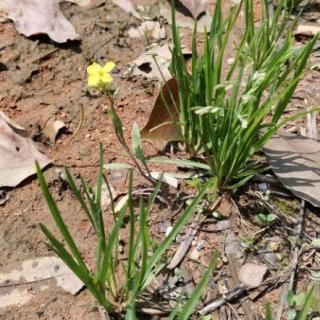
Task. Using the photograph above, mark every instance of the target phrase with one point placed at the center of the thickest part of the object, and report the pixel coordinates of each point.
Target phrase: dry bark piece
(32, 17)
(160, 125)
(295, 160)
(252, 275)
(17, 153)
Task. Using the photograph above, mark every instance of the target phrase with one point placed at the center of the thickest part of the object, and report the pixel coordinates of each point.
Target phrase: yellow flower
(99, 75)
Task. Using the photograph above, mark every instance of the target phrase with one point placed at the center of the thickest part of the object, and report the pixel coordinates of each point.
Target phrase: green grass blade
(58, 219)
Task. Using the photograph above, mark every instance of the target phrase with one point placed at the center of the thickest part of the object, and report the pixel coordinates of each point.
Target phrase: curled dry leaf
(32, 17)
(295, 160)
(155, 62)
(53, 129)
(195, 7)
(252, 275)
(185, 21)
(17, 153)
(160, 125)
(149, 63)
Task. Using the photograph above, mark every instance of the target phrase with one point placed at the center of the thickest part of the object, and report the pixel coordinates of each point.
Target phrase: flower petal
(93, 80)
(108, 66)
(105, 78)
(94, 68)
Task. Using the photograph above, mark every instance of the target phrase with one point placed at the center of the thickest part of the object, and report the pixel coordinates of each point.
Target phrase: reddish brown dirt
(43, 81)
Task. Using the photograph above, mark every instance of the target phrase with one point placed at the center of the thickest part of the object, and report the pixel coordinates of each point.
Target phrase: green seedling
(144, 260)
(229, 113)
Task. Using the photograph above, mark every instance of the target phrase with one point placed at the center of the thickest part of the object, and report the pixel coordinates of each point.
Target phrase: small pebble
(195, 254)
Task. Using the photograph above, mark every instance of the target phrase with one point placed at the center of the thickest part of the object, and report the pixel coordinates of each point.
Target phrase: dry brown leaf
(295, 160)
(252, 275)
(17, 153)
(32, 17)
(195, 7)
(160, 125)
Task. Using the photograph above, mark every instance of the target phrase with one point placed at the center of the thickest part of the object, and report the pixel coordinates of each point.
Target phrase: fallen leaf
(128, 7)
(307, 30)
(295, 160)
(195, 7)
(17, 153)
(184, 21)
(149, 30)
(40, 269)
(32, 17)
(252, 275)
(160, 125)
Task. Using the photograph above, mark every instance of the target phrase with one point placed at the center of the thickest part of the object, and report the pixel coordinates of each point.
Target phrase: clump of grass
(230, 113)
(144, 260)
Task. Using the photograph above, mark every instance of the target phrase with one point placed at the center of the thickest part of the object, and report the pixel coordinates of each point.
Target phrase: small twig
(233, 294)
(234, 310)
(239, 214)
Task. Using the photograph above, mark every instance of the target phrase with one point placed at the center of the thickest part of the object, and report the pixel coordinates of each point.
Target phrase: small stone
(274, 246)
(252, 275)
(195, 254)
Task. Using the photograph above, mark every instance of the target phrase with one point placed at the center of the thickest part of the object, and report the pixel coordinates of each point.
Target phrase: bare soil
(42, 81)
